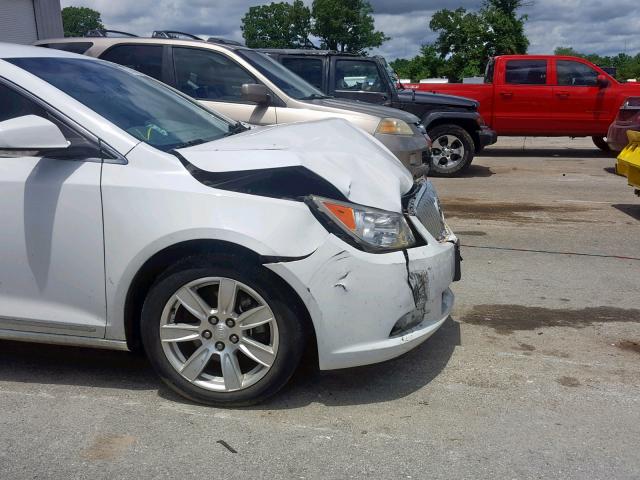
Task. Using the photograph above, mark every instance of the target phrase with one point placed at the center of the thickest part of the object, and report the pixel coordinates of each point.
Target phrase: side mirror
(31, 133)
(254, 92)
(602, 81)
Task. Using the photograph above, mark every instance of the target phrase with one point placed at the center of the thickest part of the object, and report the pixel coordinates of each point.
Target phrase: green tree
(466, 40)
(277, 25)
(345, 25)
(427, 64)
(77, 21)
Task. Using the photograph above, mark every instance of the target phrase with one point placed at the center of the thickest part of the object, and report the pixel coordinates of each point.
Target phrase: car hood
(437, 99)
(366, 108)
(354, 162)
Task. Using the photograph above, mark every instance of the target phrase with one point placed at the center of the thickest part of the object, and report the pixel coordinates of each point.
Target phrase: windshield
(282, 77)
(143, 107)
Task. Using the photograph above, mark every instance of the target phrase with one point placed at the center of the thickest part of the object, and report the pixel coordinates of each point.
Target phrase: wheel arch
(155, 265)
(468, 123)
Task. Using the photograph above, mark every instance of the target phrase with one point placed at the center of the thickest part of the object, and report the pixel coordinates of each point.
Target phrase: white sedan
(131, 216)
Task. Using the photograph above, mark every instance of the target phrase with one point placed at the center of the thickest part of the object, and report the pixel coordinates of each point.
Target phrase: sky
(590, 26)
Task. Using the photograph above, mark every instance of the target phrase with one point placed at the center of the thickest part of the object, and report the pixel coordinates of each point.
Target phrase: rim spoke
(194, 303)
(256, 351)
(227, 295)
(231, 371)
(179, 332)
(443, 141)
(195, 364)
(255, 317)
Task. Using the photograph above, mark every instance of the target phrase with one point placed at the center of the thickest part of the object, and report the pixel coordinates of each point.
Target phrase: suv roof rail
(224, 41)
(174, 34)
(101, 32)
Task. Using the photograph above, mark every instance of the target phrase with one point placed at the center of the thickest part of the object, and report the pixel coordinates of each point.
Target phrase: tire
(601, 143)
(262, 359)
(452, 150)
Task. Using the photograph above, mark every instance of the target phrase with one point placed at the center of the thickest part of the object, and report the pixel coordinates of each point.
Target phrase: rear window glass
(308, 68)
(526, 72)
(146, 59)
(73, 47)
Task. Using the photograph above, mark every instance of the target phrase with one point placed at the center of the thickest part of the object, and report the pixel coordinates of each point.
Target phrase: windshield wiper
(314, 96)
(237, 127)
(190, 143)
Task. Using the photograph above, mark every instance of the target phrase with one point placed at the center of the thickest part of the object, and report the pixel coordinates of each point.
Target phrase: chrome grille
(425, 205)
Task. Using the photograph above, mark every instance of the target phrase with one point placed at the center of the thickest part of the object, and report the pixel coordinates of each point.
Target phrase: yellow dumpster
(628, 163)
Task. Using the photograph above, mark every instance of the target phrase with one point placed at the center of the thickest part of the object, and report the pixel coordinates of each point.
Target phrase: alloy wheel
(219, 334)
(447, 151)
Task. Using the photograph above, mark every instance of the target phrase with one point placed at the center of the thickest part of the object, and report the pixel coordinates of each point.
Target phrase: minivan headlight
(367, 228)
(393, 126)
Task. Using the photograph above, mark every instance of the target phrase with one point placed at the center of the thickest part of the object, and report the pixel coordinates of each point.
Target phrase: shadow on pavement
(56, 365)
(476, 171)
(545, 152)
(633, 210)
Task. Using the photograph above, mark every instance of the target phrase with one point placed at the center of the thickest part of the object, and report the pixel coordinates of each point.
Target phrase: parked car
(545, 95)
(456, 128)
(628, 118)
(248, 86)
(132, 214)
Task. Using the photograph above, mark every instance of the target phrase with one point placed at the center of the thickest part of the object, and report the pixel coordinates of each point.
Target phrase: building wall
(25, 21)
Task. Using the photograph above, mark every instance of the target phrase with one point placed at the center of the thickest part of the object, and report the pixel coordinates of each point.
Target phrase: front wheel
(452, 150)
(601, 143)
(220, 333)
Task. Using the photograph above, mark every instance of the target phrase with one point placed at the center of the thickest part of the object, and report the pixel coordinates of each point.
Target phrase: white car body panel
(52, 267)
(133, 209)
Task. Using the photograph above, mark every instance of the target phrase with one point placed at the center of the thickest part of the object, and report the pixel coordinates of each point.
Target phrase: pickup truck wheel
(452, 150)
(601, 143)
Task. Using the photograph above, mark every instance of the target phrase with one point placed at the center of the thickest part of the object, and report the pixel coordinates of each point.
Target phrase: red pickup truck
(544, 95)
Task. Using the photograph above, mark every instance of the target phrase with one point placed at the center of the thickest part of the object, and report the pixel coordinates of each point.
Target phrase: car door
(311, 68)
(358, 79)
(522, 101)
(216, 80)
(581, 105)
(51, 240)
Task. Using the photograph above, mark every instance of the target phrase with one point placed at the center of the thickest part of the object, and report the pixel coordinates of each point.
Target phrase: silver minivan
(248, 86)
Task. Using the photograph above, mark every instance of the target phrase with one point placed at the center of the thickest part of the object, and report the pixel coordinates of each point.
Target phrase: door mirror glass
(602, 81)
(31, 132)
(253, 92)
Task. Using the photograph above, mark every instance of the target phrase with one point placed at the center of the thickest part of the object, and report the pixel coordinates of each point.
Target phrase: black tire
(437, 165)
(601, 143)
(292, 332)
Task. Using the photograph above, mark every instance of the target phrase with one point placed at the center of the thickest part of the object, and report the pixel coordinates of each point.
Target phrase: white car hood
(359, 166)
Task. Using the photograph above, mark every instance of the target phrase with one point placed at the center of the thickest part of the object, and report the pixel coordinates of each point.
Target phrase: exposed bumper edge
(487, 136)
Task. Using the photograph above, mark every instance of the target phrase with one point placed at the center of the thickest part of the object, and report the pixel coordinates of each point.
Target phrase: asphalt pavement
(536, 375)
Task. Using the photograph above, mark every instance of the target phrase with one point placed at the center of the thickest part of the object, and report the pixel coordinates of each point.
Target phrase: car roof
(106, 42)
(305, 51)
(13, 50)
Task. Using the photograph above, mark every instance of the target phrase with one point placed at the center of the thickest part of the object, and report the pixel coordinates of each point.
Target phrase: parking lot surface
(534, 376)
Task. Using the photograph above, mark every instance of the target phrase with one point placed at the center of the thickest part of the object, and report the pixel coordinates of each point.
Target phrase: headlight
(393, 126)
(366, 228)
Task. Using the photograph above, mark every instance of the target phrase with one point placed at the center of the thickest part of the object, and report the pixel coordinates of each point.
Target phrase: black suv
(456, 128)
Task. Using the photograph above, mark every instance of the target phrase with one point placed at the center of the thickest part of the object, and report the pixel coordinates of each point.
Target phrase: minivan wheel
(452, 150)
(221, 334)
(601, 143)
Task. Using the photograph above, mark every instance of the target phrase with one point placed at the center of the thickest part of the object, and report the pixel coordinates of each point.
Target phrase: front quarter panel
(153, 203)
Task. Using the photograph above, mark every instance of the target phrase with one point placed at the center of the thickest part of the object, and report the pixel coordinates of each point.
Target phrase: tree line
(465, 42)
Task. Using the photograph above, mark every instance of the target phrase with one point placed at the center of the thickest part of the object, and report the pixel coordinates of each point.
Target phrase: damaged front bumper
(368, 308)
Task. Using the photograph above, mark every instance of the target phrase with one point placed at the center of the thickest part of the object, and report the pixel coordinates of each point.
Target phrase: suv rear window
(73, 47)
(526, 72)
(308, 68)
(146, 59)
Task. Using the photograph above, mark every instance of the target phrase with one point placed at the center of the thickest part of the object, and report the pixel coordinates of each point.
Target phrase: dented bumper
(356, 299)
